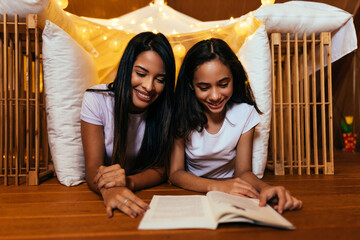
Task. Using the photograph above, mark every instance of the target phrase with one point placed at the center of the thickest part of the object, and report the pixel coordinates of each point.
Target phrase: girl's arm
(181, 178)
(243, 169)
(119, 197)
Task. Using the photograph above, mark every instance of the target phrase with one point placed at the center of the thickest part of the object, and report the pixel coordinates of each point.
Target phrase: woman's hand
(284, 199)
(108, 177)
(123, 199)
(237, 186)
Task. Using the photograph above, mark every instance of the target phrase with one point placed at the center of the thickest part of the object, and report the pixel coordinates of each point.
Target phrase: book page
(228, 206)
(174, 212)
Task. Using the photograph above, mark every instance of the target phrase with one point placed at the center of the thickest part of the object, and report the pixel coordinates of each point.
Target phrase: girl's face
(147, 80)
(213, 85)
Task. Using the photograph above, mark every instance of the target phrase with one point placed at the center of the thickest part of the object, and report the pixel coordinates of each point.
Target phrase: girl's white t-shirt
(98, 109)
(213, 155)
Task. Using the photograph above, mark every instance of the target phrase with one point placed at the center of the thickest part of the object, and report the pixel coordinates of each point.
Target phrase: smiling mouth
(143, 96)
(216, 105)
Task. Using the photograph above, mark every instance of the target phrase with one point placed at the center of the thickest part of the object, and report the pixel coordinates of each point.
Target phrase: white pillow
(255, 57)
(68, 71)
(303, 16)
(300, 17)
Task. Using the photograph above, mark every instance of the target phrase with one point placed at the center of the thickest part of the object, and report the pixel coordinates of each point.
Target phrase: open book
(197, 211)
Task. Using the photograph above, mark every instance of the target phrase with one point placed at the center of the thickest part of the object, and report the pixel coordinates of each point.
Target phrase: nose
(148, 84)
(215, 95)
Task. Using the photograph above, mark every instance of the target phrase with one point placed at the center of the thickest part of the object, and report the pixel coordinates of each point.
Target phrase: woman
(215, 118)
(125, 125)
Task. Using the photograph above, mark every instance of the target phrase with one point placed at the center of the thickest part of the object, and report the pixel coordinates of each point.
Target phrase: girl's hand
(237, 186)
(108, 177)
(284, 199)
(124, 200)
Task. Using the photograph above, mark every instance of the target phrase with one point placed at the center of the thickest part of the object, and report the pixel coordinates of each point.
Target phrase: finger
(296, 204)
(289, 201)
(122, 206)
(109, 212)
(112, 180)
(280, 192)
(135, 208)
(264, 197)
(102, 169)
(140, 203)
(247, 191)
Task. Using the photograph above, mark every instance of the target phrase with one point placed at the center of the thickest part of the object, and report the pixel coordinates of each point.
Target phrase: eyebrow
(144, 69)
(221, 80)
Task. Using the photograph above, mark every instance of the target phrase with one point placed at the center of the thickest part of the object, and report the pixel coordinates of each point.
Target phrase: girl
(125, 125)
(214, 120)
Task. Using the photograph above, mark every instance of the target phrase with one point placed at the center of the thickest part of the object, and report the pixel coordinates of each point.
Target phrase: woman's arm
(114, 197)
(145, 179)
(181, 178)
(243, 169)
(93, 141)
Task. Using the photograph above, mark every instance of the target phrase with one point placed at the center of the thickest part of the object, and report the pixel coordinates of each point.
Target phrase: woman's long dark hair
(156, 147)
(189, 113)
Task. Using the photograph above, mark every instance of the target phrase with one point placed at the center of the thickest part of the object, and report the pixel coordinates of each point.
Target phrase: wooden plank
(5, 52)
(297, 96)
(289, 119)
(330, 168)
(323, 102)
(274, 41)
(315, 139)
(307, 104)
(16, 152)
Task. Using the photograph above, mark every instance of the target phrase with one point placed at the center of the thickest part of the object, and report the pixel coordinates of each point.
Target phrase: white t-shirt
(97, 108)
(212, 155)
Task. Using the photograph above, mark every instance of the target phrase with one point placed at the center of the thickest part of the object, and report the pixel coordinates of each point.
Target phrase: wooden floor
(331, 210)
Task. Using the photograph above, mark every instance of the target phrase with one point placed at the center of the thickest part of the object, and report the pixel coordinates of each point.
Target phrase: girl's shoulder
(237, 112)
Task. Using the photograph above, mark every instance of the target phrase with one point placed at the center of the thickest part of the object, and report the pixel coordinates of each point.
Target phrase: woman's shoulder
(236, 112)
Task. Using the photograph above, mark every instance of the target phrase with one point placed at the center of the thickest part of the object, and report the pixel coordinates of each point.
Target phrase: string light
(115, 45)
(267, 2)
(84, 33)
(179, 50)
(63, 3)
(241, 28)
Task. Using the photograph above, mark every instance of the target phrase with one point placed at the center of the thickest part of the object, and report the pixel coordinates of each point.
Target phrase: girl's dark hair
(156, 147)
(188, 112)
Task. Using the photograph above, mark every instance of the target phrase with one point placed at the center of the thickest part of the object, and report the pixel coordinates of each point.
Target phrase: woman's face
(147, 80)
(213, 85)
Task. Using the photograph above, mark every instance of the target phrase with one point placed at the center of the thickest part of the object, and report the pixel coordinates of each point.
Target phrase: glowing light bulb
(155, 31)
(133, 21)
(63, 3)
(241, 28)
(179, 50)
(84, 33)
(105, 37)
(267, 2)
(115, 45)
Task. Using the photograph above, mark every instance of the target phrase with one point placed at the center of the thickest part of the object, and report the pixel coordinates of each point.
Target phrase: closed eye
(161, 80)
(140, 74)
